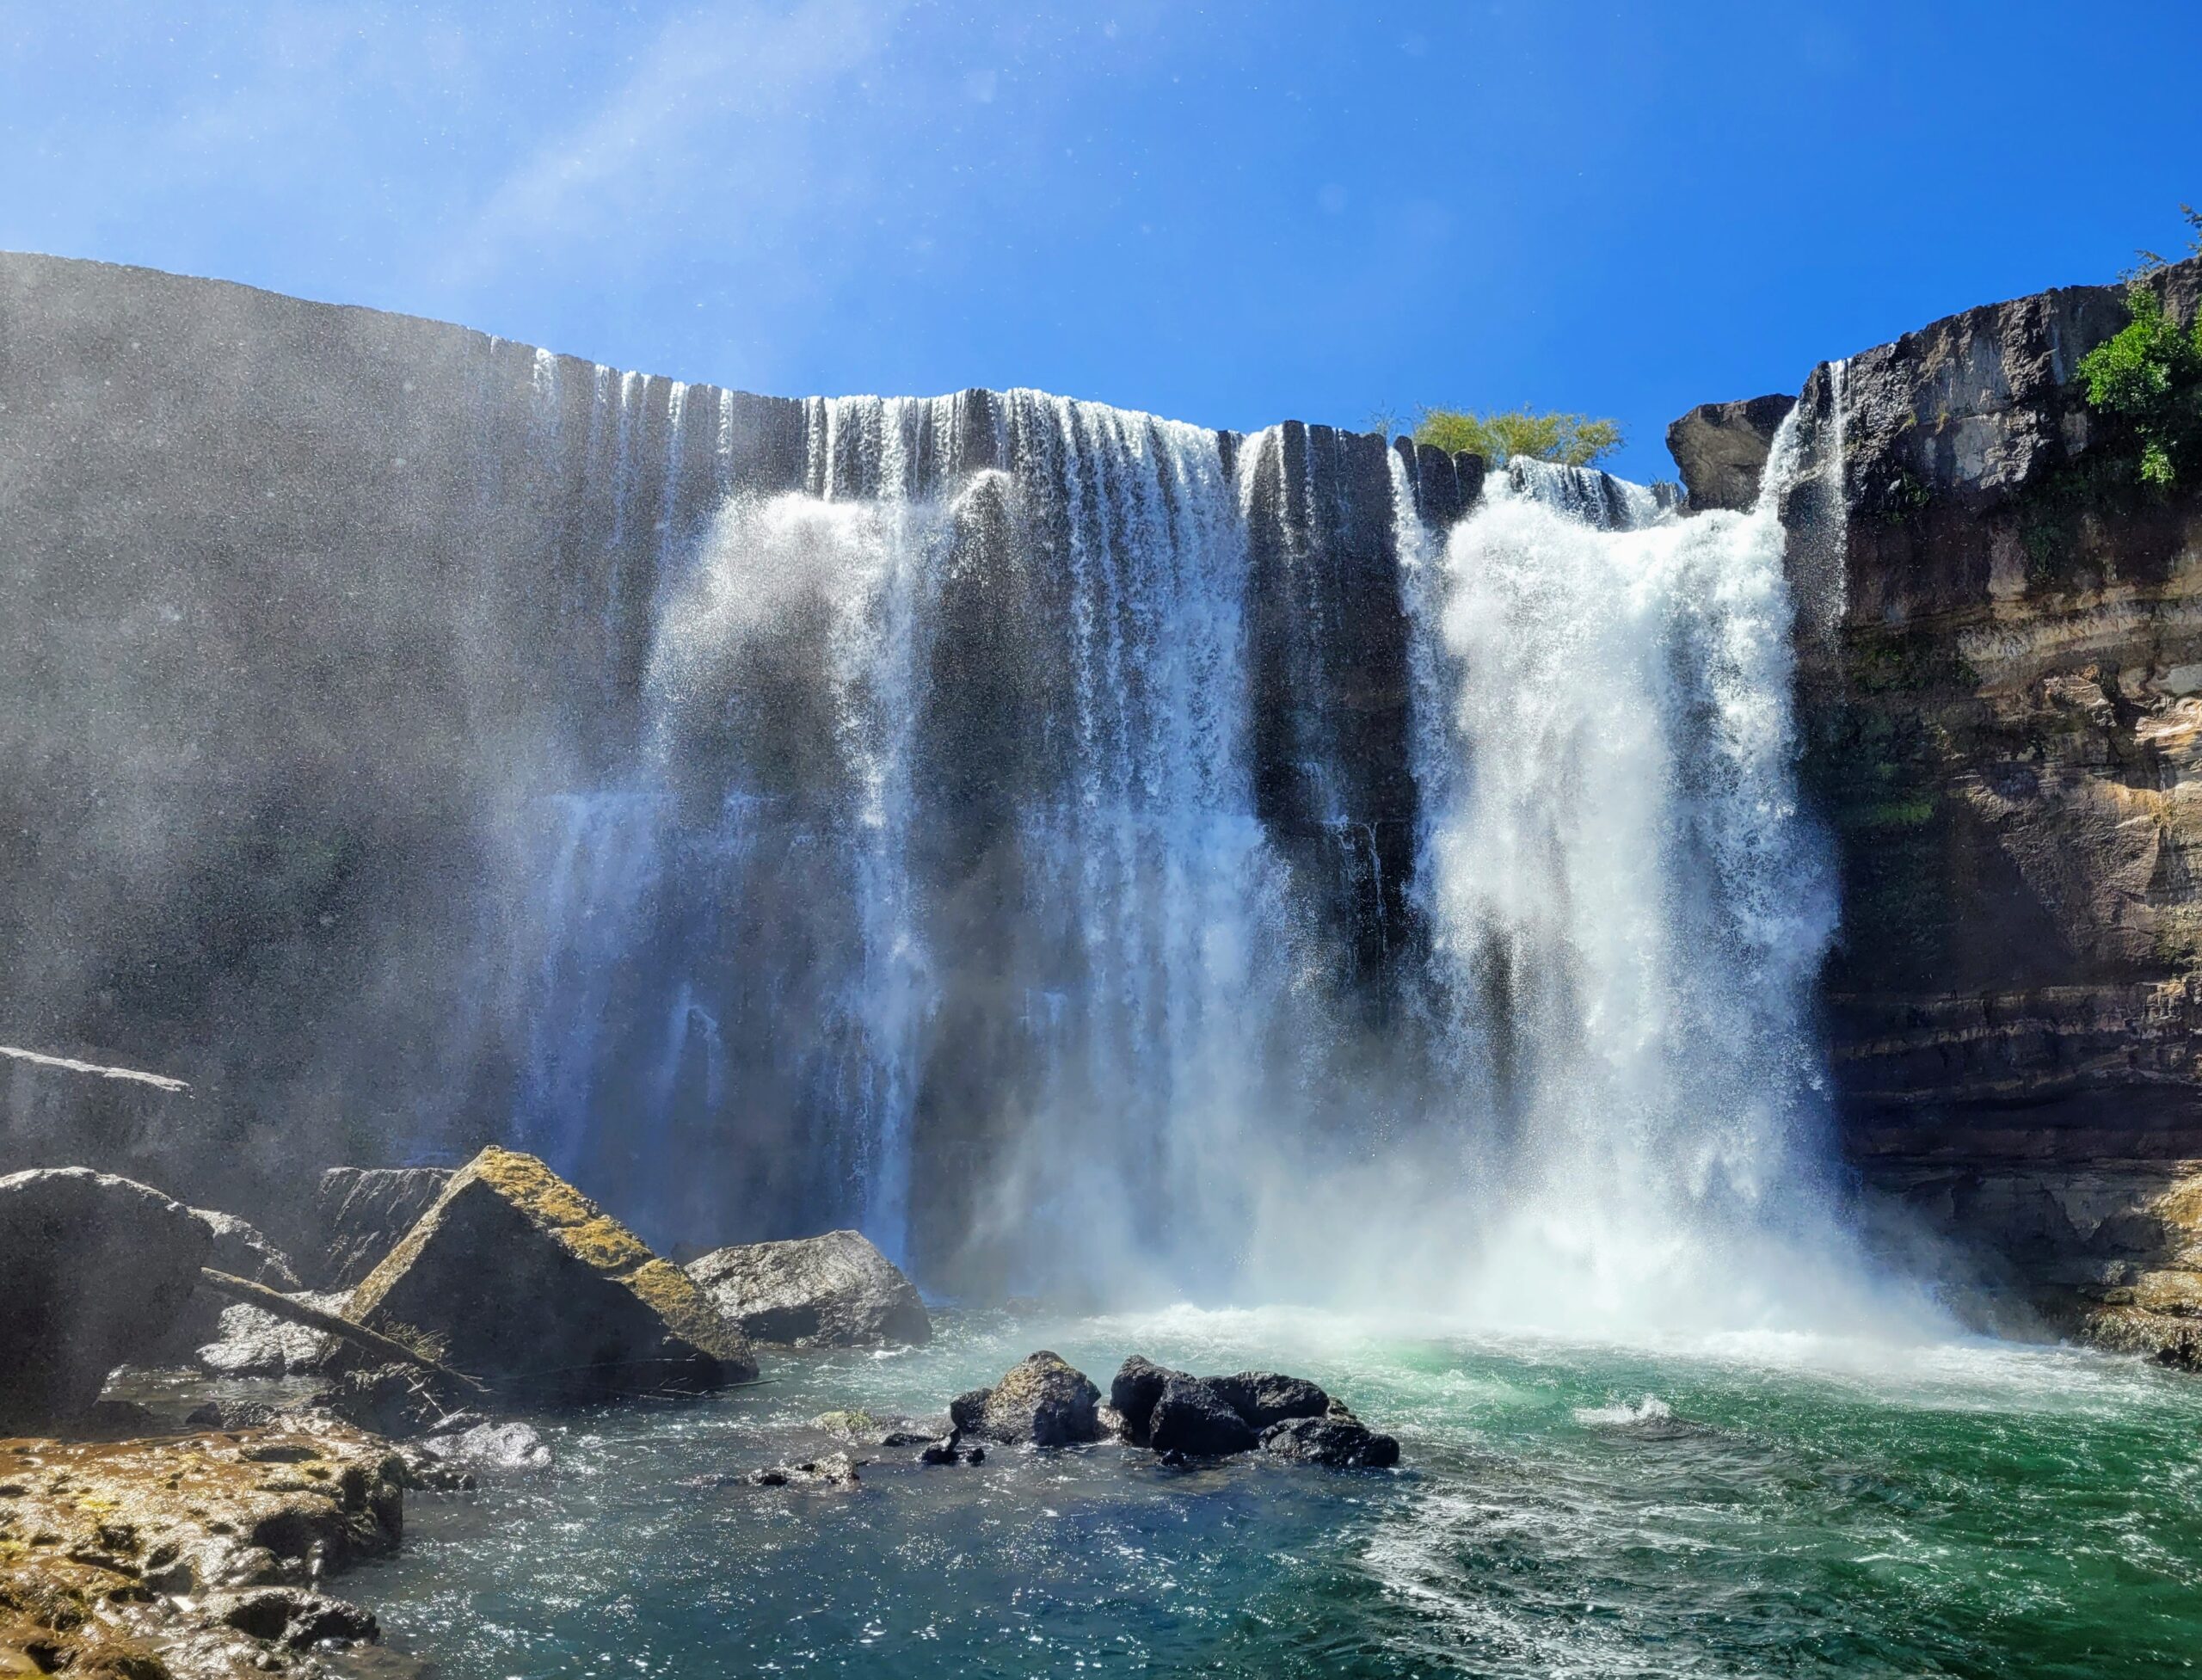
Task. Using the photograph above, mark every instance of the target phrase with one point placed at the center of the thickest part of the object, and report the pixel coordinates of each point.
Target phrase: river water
(1746, 1505)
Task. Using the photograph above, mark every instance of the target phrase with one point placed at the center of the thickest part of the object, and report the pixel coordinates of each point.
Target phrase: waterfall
(1092, 852)
(1627, 905)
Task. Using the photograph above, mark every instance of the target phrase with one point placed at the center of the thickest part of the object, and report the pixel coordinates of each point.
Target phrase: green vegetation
(2150, 376)
(1572, 440)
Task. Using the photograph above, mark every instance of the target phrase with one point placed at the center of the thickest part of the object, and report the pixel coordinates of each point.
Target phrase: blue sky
(1231, 213)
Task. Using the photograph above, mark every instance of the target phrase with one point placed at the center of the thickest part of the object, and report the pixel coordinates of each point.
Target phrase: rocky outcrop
(195, 1554)
(1042, 1402)
(248, 1342)
(1185, 1417)
(94, 1270)
(525, 1283)
(835, 1290)
(1721, 449)
(2002, 705)
(360, 1213)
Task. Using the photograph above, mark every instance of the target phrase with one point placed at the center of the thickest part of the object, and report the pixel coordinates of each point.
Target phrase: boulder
(248, 1342)
(1138, 1384)
(1195, 1424)
(862, 1429)
(362, 1212)
(93, 1272)
(836, 1290)
(1720, 449)
(239, 1249)
(1041, 1400)
(1340, 1441)
(521, 1280)
(1262, 1397)
(1193, 1417)
(397, 1401)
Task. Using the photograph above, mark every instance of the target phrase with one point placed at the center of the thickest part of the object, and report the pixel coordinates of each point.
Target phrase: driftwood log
(332, 1324)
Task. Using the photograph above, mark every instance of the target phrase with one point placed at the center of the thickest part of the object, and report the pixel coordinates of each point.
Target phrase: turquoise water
(1758, 1507)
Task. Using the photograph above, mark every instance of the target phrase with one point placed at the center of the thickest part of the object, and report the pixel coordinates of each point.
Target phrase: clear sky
(1231, 212)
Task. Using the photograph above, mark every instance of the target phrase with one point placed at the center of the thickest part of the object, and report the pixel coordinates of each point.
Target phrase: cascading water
(1004, 868)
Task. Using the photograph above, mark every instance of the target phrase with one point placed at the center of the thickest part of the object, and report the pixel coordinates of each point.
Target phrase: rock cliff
(2003, 690)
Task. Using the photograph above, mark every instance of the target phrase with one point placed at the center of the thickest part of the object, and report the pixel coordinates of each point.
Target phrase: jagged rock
(1041, 1400)
(296, 1619)
(1721, 448)
(1341, 1442)
(836, 1470)
(1199, 1420)
(835, 1290)
(495, 1447)
(94, 1270)
(248, 1342)
(1262, 1397)
(1193, 1417)
(363, 1212)
(1136, 1386)
(526, 1283)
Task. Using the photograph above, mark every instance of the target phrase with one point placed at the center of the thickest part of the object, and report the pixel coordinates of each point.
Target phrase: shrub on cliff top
(1572, 440)
(2150, 376)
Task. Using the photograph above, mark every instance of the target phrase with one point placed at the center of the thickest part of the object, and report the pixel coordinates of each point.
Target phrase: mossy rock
(525, 1283)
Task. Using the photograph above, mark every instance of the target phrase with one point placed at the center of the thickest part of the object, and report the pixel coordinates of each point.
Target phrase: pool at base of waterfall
(1747, 1505)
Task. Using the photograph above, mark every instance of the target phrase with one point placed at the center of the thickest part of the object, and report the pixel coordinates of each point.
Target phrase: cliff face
(2004, 707)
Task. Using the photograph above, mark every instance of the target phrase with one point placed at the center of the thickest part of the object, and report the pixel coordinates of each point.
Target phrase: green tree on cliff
(1572, 440)
(2150, 376)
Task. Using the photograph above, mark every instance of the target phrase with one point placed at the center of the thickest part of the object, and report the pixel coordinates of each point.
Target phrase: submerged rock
(524, 1282)
(836, 1470)
(94, 1270)
(1340, 1441)
(1041, 1400)
(492, 1447)
(835, 1290)
(861, 1429)
(364, 1212)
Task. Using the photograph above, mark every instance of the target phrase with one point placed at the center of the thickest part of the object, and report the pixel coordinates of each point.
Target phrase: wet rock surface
(364, 1212)
(1186, 1417)
(835, 1291)
(94, 1270)
(192, 1554)
(524, 1282)
(833, 1471)
(1042, 1402)
(248, 1342)
(863, 1429)
(1338, 1442)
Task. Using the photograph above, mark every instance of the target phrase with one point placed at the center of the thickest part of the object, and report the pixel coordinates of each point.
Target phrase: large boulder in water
(1339, 1440)
(362, 1212)
(524, 1282)
(93, 1272)
(1172, 1411)
(836, 1290)
(1043, 1401)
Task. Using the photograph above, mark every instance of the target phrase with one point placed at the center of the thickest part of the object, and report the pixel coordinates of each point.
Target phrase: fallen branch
(282, 1307)
(68, 1065)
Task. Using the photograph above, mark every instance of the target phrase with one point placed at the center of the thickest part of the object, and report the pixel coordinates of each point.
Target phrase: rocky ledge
(193, 1555)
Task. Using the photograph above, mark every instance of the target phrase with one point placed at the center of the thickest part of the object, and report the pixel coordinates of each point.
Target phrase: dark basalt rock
(362, 1212)
(94, 1270)
(1262, 1397)
(1132, 1395)
(835, 1291)
(1041, 1401)
(296, 1619)
(1178, 1414)
(1721, 448)
(1343, 1443)
(1194, 1417)
(397, 1401)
